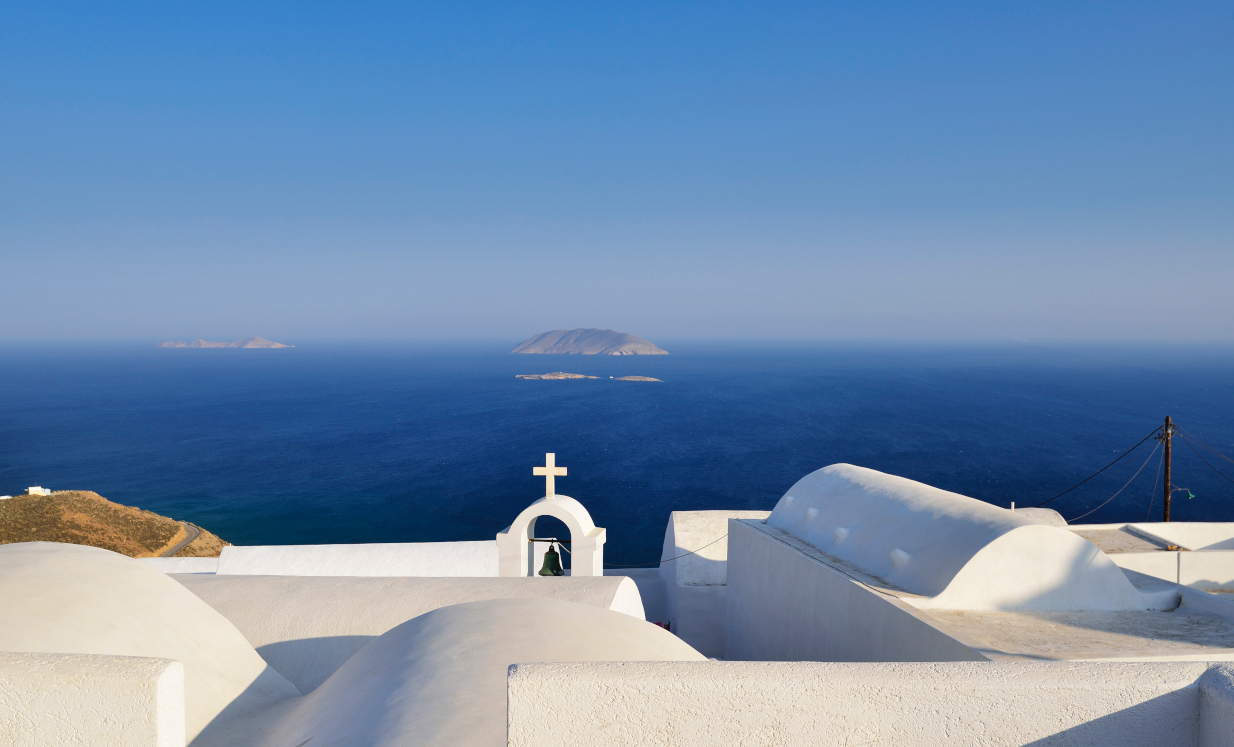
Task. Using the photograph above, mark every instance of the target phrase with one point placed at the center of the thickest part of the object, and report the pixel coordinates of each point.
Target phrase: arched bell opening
(549, 527)
(517, 556)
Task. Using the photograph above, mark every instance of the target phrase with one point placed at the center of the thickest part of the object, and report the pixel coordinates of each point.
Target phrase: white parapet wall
(823, 704)
(81, 699)
(1190, 535)
(433, 559)
(1212, 569)
(694, 569)
(1195, 554)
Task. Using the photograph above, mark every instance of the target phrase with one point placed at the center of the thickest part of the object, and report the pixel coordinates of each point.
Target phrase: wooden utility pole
(1166, 433)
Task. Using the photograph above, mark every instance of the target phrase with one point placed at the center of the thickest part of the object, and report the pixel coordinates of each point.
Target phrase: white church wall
(824, 704)
(694, 567)
(306, 627)
(963, 553)
(698, 618)
(182, 565)
(67, 699)
(434, 559)
(786, 605)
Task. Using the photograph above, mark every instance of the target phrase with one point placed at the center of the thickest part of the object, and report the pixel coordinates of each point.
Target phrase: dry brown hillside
(81, 517)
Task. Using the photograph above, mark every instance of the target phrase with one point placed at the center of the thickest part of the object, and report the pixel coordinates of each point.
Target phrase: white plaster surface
(1113, 539)
(586, 539)
(1163, 565)
(61, 598)
(1191, 535)
(694, 562)
(1216, 604)
(1185, 633)
(1209, 569)
(79, 699)
(785, 604)
(1047, 516)
(650, 588)
(433, 559)
(696, 533)
(960, 552)
(440, 679)
(307, 627)
(181, 565)
(823, 704)
(1217, 707)
(789, 601)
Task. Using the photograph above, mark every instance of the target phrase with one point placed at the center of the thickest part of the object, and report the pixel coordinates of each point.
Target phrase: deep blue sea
(405, 443)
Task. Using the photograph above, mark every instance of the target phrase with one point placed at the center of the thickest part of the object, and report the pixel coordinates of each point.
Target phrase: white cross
(549, 471)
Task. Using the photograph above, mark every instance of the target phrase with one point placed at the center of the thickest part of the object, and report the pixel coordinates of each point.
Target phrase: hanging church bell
(552, 563)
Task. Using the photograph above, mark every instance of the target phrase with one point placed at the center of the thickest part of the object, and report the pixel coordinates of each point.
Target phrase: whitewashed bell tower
(515, 556)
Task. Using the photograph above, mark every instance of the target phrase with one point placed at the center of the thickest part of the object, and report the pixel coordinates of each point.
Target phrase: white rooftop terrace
(856, 565)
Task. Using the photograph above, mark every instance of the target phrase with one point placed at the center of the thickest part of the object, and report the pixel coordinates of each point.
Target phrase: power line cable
(1124, 487)
(1152, 492)
(1202, 459)
(1103, 469)
(1060, 495)
(1080, 501)
(1218, 453)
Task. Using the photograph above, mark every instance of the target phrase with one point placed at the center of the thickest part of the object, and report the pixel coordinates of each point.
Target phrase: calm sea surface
(403, 443)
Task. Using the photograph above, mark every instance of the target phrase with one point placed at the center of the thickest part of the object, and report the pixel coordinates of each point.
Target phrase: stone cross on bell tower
(549, 471)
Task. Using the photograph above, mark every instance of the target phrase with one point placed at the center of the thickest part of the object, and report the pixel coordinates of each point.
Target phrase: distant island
(563, 375)
(252, 342)
(588, 342)
(554, 375)
(81, 517)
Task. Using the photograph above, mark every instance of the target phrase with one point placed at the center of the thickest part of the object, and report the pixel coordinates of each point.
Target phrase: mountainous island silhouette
(252, 342)
(587, 342)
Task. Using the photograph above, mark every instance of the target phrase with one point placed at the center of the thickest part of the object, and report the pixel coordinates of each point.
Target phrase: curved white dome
(62, 598)
(961, 552)
(440, 678)
(307, 627)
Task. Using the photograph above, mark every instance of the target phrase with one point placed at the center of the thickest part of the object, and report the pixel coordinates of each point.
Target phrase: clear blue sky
(870, 170)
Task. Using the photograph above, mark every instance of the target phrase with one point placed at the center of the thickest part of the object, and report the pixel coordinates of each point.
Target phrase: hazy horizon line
(668, 340)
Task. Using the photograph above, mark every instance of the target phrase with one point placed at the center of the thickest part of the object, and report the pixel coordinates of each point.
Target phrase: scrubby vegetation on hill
(82, 517)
